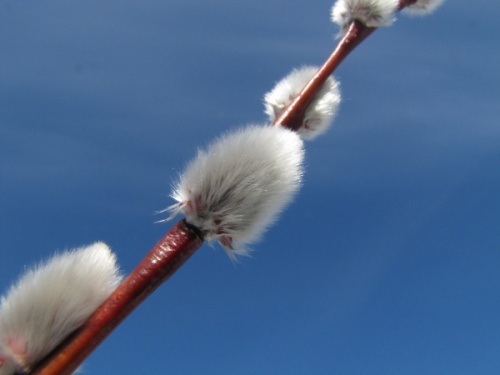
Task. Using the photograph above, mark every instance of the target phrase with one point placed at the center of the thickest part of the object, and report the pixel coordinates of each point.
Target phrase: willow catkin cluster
(237, 186)
(320, 111)
(52, 300)
(371, 13)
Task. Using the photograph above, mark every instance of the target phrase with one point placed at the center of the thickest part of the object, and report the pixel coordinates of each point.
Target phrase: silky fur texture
(236, 188)
(371, 13)
(52, 300)
(422, 7)
(320, 112)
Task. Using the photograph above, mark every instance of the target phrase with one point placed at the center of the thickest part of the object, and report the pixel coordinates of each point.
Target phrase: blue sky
(386, 263)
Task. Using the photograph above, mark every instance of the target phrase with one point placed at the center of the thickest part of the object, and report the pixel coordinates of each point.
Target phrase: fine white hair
(52, 300)
(236, 188)
(422, 7)
(320, 112)
(371, 13)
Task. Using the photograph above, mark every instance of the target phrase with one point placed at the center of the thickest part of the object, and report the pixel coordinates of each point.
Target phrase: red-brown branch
(175, 248)
(405, 3)
(171, 252)
(293, 115)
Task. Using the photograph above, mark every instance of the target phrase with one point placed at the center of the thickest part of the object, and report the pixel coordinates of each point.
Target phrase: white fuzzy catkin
(372, 13)
(321, 110)
(422, 7)
(236, 187)
(51, 301)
